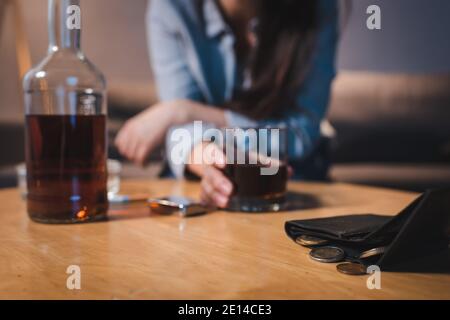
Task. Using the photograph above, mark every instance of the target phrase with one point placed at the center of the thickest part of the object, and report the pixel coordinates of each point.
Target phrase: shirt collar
(214, 23)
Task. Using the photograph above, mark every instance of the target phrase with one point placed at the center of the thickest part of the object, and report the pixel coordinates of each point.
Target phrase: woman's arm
(168, 60)
(143, 133)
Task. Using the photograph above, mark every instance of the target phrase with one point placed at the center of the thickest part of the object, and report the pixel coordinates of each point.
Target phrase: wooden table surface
(220, 255)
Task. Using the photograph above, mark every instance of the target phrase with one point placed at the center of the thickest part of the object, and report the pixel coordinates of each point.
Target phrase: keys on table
(185, 207)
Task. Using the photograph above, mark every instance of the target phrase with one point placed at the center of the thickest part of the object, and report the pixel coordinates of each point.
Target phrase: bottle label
(89, 103)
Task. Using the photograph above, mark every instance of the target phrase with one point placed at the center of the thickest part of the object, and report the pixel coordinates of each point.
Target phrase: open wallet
(418, 231)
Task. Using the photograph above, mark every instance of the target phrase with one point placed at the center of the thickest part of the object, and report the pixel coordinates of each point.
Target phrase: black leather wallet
(419, 230)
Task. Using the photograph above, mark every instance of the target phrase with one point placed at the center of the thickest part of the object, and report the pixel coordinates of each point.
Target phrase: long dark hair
(286, 36)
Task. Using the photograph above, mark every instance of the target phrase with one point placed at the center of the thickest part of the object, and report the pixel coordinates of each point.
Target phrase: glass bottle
(65, 127)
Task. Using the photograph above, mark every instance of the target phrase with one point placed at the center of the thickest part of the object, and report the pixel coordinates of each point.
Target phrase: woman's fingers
(132, 144)
(211, 197)
(125, 141)
(213, 155)
(206, 200)
(143, 149)
(206, 161)
(216, 188)
(143, 133)
(140, 155)
(119, 141)
(204, 155)
(218, 181)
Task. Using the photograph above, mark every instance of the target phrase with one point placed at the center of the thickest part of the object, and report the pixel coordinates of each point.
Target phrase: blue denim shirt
(192, 57)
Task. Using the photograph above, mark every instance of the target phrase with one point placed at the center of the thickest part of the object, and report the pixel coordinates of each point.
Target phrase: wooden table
(220, 255)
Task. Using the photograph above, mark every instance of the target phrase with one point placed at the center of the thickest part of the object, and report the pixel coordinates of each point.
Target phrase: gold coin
(350, 268)
(309, 241)
(372, 252)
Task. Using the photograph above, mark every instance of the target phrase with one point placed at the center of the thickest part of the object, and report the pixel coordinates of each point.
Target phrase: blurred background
(390, 104)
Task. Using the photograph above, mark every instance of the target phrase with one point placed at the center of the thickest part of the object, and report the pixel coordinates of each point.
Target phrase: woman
(237, 63)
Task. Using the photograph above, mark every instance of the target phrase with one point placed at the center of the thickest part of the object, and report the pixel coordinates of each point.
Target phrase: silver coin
(327, 254)
(309, 241)
(372, 252)
(350, 268)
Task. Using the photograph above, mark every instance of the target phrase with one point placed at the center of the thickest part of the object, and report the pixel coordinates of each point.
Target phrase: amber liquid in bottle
(65, 125)
(66, 171)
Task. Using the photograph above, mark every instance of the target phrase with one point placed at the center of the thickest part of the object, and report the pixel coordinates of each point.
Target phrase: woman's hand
(207, 161)
(143, 133)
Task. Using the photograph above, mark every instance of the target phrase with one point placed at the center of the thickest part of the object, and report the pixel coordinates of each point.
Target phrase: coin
(309, 241)
(327, 254)
(350, 268)
(372, 253)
